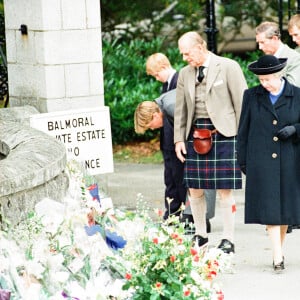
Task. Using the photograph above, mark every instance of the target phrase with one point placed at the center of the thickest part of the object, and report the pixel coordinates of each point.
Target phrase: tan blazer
(224, 88)
(292, 69)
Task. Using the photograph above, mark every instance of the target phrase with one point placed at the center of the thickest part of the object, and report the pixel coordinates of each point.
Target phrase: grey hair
(270, 29)
(194, 38)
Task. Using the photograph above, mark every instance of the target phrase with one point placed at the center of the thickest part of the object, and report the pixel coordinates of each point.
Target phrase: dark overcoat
(272, 193)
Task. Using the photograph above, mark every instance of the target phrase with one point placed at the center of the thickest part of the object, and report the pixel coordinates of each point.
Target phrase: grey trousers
(210, 198)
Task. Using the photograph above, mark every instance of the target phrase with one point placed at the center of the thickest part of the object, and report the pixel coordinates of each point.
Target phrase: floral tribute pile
(84, 249)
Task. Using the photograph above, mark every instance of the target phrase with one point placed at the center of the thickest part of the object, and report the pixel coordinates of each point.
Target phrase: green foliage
(147, 19)
(249, 57)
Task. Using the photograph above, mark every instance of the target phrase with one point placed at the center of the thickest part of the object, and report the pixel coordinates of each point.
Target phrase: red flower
(158, 285)
(172, 258)
(233, 208)
(155, 240)
(174, 235)
(193, 251)
(220, 295)
(211, 275)
(187, 293)
(128, 276)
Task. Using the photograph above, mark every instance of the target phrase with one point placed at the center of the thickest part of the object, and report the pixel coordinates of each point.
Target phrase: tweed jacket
(225, 85)
(292, 69)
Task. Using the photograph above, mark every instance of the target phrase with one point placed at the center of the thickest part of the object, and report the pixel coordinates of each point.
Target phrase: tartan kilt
(218, 169)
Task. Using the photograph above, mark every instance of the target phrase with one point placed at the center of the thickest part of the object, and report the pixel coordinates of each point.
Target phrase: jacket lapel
(283, 99)
(264, 100)
(212, 72)
(191, 82)
(287, 93)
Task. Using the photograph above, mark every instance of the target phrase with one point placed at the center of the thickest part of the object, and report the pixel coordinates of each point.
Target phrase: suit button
(274, 122)
(274, 155)
(275, 138)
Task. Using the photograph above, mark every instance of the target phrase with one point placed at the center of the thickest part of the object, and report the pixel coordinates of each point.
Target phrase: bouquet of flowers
(82, 249)
(59, 252)
(165, 265)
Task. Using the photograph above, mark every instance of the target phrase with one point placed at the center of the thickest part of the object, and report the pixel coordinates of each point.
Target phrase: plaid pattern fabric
(217, 169)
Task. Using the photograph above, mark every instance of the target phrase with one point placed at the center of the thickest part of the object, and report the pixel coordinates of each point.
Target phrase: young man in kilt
(209, 97)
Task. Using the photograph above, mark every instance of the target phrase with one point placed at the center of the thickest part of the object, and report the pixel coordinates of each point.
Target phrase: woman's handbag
(202, 140)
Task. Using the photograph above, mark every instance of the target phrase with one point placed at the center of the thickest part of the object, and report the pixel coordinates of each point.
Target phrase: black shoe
(187, 218)
(202, 242)
(189, 228)
(208, 226)
(226, 246)
(278, 267)
(289, 229)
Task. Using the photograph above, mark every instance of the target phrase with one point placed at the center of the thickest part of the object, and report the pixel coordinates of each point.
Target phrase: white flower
(76, 291)
(61, 277)
(55, 261)
(76, 265)
(51, 212)
(35, 268)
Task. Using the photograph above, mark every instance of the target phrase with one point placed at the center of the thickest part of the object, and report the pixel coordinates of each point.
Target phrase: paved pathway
(252, 277)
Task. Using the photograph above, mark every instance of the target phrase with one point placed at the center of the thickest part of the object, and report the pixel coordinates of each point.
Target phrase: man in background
(268, 37)
(294, 30)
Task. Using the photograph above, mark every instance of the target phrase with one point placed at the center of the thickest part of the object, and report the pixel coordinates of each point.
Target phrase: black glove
(243, 169)
(286, 132)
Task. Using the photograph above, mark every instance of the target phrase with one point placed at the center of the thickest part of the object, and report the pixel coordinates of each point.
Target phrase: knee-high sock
(227, 205)
(198, 207)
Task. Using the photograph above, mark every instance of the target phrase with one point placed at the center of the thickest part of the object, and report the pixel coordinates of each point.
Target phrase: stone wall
(57, 65)
(32, 165)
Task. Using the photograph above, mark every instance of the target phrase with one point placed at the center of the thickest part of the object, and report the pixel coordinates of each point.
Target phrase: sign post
(86, 134)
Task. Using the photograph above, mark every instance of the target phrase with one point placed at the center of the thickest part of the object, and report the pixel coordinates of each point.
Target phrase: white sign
(86, 134)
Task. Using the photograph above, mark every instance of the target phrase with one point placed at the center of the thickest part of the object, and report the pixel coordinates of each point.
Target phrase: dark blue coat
(272, 166)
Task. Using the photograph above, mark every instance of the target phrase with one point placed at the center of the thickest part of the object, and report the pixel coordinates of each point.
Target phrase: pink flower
(155, 240)
(179, 240)
(196, 258)
(128, 276)
(159, 212)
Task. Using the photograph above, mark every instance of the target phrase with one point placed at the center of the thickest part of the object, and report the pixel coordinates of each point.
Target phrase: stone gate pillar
(57, 64)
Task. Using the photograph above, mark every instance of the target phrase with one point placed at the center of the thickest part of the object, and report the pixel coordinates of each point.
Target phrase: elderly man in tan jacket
(209, 96)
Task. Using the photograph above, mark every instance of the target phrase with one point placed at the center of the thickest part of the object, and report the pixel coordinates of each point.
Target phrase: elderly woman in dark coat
(269, 152)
